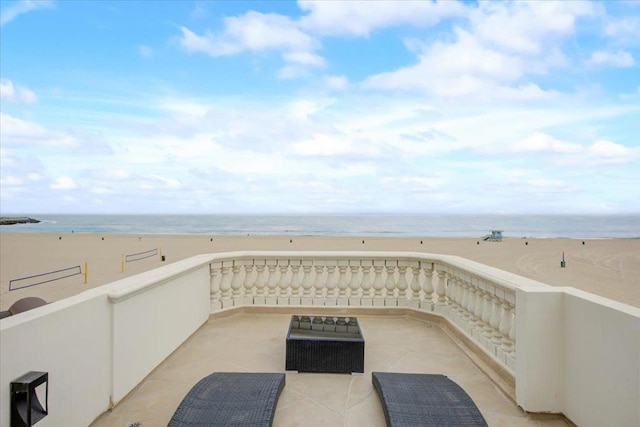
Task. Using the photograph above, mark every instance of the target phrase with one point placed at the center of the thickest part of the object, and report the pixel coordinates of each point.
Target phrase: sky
(319, 107)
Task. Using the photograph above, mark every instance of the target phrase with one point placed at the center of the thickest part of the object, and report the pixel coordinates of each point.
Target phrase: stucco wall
(68, 339)
(97, 346)
(578, 354)
(602, 361)
(150, 325)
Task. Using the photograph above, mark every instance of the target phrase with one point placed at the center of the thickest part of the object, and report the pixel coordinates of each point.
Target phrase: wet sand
(605, 267)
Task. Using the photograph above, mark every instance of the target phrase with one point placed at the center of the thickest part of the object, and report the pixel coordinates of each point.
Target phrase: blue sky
(320, 107)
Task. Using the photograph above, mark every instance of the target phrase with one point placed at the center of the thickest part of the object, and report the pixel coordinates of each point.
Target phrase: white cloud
(64, 183)
(456, 69)
(603, 151)
(336, 82)
(540, 142)
(600, 152)
(11, 181)
(304, 109)
(493, 54)
(416, 183)
(290, 72)
(12, 127)
(208, 43)
(359, 18)
(614, 59)
(252, 31)
(9, 13)
(527, 27)
(259, 32)
(323, 146)
(14, 131)
(623, 29)
(12, 92)
(304, 58)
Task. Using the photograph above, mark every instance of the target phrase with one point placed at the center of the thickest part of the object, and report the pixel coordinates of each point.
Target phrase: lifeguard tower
(495, 236)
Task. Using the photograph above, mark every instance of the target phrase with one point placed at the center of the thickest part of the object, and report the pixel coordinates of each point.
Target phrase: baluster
(403, 296)
(464, 300)
(332, 290)
(494, 321)
(416, 287)
(283, 282)
(505, 325)
(294, 299)
(477, 309)
(390, 284)
(248, 283)
(261, 280)
(214, 283)
(319, 283)
(236, 282)
(366, 298)
(307, 297)
(225, 286)
(378, 284)
(441, 287)
(283, 267)
(453, 295)
(512, 332)
(471, 307)
(354, 282)
(467, 315)
(486, 315)
(272, 283)
(427, 267)
(450, 287)
(343, 265)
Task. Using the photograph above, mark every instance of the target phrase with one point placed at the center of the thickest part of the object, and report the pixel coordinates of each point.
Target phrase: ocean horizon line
(349, 225)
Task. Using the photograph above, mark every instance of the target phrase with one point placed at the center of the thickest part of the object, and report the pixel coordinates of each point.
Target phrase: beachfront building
(130, 350)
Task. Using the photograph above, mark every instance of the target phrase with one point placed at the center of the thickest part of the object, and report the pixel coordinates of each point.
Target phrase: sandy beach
(605, 267)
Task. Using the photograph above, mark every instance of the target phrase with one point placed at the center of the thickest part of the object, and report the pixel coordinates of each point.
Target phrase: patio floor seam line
(322, 405)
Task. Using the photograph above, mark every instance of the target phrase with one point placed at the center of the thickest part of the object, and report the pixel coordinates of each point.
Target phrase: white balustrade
(483, 309)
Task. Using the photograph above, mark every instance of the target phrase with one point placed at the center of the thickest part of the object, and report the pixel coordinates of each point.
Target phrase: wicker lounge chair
(231, 399)
(425, 400)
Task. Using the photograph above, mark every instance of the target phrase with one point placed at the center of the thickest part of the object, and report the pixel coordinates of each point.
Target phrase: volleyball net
(141, 255)
(41, 279)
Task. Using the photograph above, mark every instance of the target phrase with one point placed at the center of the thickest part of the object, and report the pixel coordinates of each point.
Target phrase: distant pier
(8, 220)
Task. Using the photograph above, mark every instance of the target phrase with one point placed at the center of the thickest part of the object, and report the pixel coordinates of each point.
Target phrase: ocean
(536, 226)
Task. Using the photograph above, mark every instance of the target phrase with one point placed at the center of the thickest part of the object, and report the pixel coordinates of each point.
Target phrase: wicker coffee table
(325, 344)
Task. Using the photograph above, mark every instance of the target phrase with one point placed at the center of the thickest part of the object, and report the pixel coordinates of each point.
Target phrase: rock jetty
(7, 220)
